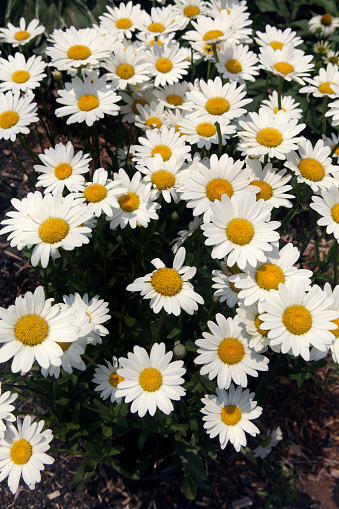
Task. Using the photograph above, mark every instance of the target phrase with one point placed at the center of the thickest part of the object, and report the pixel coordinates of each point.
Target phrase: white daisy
(321, 85)
(333, 110)
(125, 157)
(228, 414)
(210, 31)
(240, 228)
(321, 48)
(169, 288)
(324, 24)
(277, 38)
(225, 290)
(173, 96)
(71, 356)
(6, 407)
(16, 113)
(18, 75)
(296, 320)
(203, 133)
(288, 63)
(160, 21)
(166, 142)
(335, 296)
(328, 207)
(126, 67)
(121, 19)
(164, 177)
(150, 116)
(288, 105)
(167, 63)
(144, 95)
(151, 381)
(239, 21)
(331, 57)
(186, 10)
(193, 227)
(23, 453)
(269, 441)
(250, 321)
(61, 168)
(107, 380)
(237, 63)
(31, 329)
(18, 36)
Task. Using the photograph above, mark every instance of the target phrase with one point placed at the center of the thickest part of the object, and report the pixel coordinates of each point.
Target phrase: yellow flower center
(88, 102)
(166, 281)
(336, 151)
(268, 276)
(163, 179)
(231, 351)
(31, 329)
(217, 187)
(234, 288)
(134, 105)
(206, 129)
(240, 231)
(326, 20)
(20, 76)
(125, 71)
(208, 48)
(277, 109)
(53, 230)
(233, 66)
(334, 60)
(163, 150)
(156, 27)
(64, 346)
(335, 332)
(269, 137)
(325, 88)
(8, 119)
(266, 191)
(21, 35)
(63, 171)
(235, 269)
(311, 169)
(114, 379)
(153, 123)
(276, 45)
(283, 67)
(217, 106)
(150, 379)
(174, 99)
(257, 323)
(335, 213)
(191, 10)
(79, 52)
(212, 34)
(20, 452)
(297, 319)
(164, 65)
(129, 202)
(95, 193)
(123, 23)
(230, 415)
(153, 41)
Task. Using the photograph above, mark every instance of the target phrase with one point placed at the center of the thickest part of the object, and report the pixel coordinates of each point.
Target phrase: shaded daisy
(107, 380)
(6, 408)
(269, 441)
(328, 207)
(250, 321)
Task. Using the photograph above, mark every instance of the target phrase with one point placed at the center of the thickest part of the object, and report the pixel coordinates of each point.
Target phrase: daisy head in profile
(6, 408)
(107, 380)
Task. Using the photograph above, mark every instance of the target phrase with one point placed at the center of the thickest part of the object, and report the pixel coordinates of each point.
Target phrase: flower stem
(34, 156)
(334, 149)
(324, 111)
(103, 249)
(280, 87)
(21, 165)
(160, 324)
(217, 125)
(75, 270)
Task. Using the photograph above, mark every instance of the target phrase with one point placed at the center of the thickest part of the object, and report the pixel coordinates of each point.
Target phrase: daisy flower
(144, 95)
(136, 206)
(277, 38)
(107, 379)
(203, 133)
(240, 228)
(61, 168)
(125, 157)
(169, 288)
(335, 306)
(324, 25)
(122, 19)
(228, 415)
(321, 48)
(163, 176)
(150, 381)
(288, 105)
(328, 207)
(331, 57)
(16, 113)
(173, 96)
(31, 329)
(23, 453)
(332, 142)
(166, 142)
(313, 166)
(226, 355)
(167, 63)
(193, 227)
(269, 441)
(187, 10)
(250, 321)
(321, 85)
(237, 63)
(288, 63)
(333, 110)
(225, 290)
(126, 67)
(239, 21)
(269, 133)
(18, 75)
(6, 407)
(296, 320)
(160, 21)
(150, 116)
(18, 36)
(210, 31)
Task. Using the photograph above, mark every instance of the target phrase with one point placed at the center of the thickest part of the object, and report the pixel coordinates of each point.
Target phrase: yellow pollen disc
(326, 20)
(64, 346)
(134, 105)
(20, 76)
(114, 379)
(217, 106)
(234, 289)
(129, 202)
(233, 66)
(63, 171)
(217, 187)
(311, 169)
(153, 41)
(95, 193)
(31, 330)
(231, 351)
(20, 452)
(334, 60)
(150, 379)
(206, 129)
(335, 213)
(212, 34)
(163, 150)
(240, 231)
(269, 137)
(257, 323)
(174, 99)
(268, 276)
(191, 10)
(208, 48)
(325, 88)
(125, 71)
(266, 191)
(79, 52)
(156, 27)
(235, 269)
(335, 332)
(88, 102)
(123, 23)
(283, 67)
(297, 319)
(230, 415)
(276, 45)
(164, 65)
(8, 119)
(153, 123)
(166, 281)
(21, 35)
(277, 109)
(53, 230)
(163, 179)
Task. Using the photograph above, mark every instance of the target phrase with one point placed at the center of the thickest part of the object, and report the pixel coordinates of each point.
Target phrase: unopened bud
(57, 75)
(179, 350)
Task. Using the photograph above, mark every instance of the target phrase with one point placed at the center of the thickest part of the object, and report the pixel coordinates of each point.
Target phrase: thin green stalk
(209, 65)
(70, 451)
(265, 160)
(21, 165)
(160, 324)
(104, 251)
(7, 191)
(46, 282)
(335, 263)
(47, 126)
(34, 156)
(280, 87)
(96, 148)
(49, 135)
(334, 149)
(325, 101)
(266, 84)
(75, 270)
(215, 53)
(316, 248)
(217, 125)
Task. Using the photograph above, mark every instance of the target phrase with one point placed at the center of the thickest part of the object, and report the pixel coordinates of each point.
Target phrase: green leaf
(142, 438)
(189, 487)
(190, 460)
(86, 470)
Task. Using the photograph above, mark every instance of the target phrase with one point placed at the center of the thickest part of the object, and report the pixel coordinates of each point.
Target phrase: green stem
(46, 282)
(75, 270)
(7, 191)
(215, 53)
(209, 65)
(160, 324)
(280, 87)
(70, 451)
(217, 125)
(325, 101)
(21, 165)
(96, 148)
(34, 156)
(334, 149)
(46, 125)
(316, 248)
(103, 249)
(266, 85)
